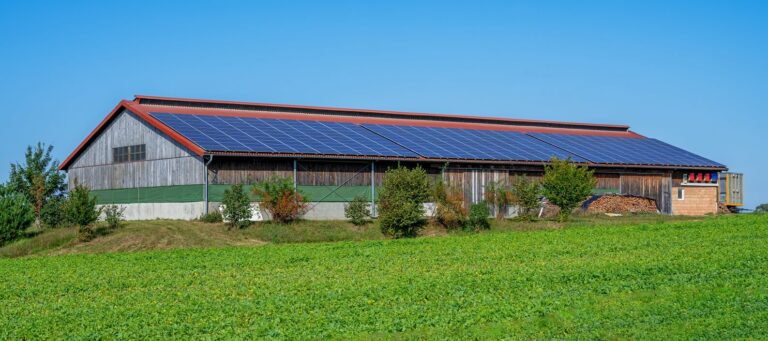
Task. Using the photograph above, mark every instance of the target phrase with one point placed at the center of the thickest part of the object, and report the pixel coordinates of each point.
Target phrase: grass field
(652, 279)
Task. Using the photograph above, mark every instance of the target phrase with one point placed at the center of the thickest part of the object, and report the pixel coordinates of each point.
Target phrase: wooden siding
(654, 186)
(167, 163)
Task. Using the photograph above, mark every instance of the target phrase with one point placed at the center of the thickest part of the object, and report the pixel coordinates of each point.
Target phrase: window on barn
(129, 153)
(681, 194)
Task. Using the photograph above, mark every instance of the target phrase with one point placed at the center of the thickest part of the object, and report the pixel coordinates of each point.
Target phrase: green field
(656, 280)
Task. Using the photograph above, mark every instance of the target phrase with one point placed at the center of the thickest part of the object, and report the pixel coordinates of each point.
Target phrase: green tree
(478, 217)
(38, 178)
(357, 211)
(566, 185)
(16, 215)
(81, 210)
(762, 208)
(237, 207)
(526, 195)
(401, 201)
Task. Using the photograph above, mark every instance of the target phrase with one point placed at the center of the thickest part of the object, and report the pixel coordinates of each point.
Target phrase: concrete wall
(180, 211)
(698, 200)
(167, 163)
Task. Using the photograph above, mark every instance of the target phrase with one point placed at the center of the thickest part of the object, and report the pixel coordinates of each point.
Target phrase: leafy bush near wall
(499, 196)
(16, 215)
(52, 215)
(212, 217)
(478, 217)
(401, 201)
(449, 206)
(526, 195)
(113, 215)
(357, 211)
(278, 196)
(566, 185)
(80, 209)
(237, 207)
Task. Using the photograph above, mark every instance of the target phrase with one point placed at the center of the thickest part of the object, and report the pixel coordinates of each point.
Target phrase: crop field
(667, 280)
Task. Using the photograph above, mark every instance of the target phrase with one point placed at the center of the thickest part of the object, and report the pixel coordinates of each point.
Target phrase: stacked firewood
(622, 204)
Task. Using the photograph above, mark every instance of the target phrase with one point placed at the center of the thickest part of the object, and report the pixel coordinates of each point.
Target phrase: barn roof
(260, 129)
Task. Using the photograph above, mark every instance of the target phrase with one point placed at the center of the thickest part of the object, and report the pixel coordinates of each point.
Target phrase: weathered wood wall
(167, 163)
(654, 186)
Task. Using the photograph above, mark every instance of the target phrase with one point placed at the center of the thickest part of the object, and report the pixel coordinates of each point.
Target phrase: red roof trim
(402, 114)
(137, 110)
(376, 120)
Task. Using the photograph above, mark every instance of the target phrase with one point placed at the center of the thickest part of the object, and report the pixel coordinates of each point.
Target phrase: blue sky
(690, 73)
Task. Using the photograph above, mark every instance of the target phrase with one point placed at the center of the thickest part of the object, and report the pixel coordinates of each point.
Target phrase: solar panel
(625, 150)
(453, 143)
(246, 134)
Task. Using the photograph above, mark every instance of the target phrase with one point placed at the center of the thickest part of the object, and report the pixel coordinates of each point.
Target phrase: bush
(237, 207)
(16, 215)
(401, 201)
(357, 211)
(762, 208)
(212, 217)
(80, 209)
(449, 206)
(499, 197)
(280, 199)
(478, 217)
(526, 195)
(52, 215)
(113, 215)
(566, 185)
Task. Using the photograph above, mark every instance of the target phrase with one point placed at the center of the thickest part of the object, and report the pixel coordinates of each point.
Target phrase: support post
(373, 188)
(205, 182)
(295, 175)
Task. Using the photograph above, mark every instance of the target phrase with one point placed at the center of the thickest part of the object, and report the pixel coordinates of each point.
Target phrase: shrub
(762, 208)
(52, 215)
(499, 197)
(357, 211)
(81, 210)
(478, 217)
(526, 195)
(401, 201)
(113, 215)
(566, 185)
(237, 207)
(212, 217)
(38, 178)
(278, 196)
(16, 215)
(449, 206)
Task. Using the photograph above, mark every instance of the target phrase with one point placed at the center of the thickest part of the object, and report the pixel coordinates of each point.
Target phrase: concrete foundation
(151, 211)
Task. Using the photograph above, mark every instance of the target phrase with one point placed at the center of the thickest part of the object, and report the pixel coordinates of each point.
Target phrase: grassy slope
(698, 279)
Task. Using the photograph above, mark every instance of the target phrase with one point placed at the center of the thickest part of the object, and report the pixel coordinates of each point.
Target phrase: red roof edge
(132, 107)
(140, 98)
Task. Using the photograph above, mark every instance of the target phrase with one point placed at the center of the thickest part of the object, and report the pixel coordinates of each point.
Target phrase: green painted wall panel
(194, 193)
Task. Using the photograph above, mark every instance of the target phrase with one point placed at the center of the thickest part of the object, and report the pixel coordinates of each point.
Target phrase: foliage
(16, 215)
(38, 178)
(449, 206)
(80, 209)
(478, 217)
(113, 215)
(401, 201)
(610, 282)
(566, 185)
(52, 215)
(212, 217)
(526, 194)
(237, 207)
(499, 196)
(280, 198)
(762, 208)
(357, 211)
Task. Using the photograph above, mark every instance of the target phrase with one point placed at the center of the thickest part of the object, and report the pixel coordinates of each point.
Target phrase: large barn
(172, 157)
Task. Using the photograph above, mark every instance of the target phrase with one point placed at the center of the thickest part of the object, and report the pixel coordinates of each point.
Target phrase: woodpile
(611, 203)
(723, 209)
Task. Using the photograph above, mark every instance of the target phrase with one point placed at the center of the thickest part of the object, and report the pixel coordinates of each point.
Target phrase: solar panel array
(245, 134)
(262, 135)
(625, 150)
(474, 144)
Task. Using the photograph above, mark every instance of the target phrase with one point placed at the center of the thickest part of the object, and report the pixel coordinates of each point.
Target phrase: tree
(526, 195)
(81, 210)
(357, 211)
(237, 207)
(401, 201)
(278, 196)
(16, 215)
(38, 178)
(762, 208)
(566, 185)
